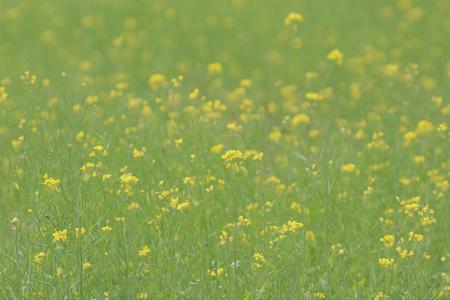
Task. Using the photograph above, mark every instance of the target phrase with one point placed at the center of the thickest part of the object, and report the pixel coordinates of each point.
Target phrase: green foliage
(224, 149)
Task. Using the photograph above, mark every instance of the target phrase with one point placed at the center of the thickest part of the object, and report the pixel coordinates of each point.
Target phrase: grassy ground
(236, 149)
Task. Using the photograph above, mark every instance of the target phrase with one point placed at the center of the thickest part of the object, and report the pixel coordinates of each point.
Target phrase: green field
(236, 149)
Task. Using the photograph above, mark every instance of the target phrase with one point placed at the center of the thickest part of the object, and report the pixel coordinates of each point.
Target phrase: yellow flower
(137, 153)
(388, 240)
(424, 127)
(178, 142)
(300, 118)
(91, 99)
(106, 228)
(182, 205)
(258, 156)
(336, 55)
(38, 258)
(215, 68)
(86, 265)
(156, 81)
(313, 96)
(144, 251)
(409, 136)
(76, 108)
(80, 136)
(348, 168)
(310, 236)
(293, 17)
(216, 149)
(60, 235)
(386, 262)
(194, 94)
(231, 155)
(78, 231)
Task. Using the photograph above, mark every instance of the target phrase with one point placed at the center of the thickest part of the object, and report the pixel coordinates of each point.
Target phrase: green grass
(113, 183)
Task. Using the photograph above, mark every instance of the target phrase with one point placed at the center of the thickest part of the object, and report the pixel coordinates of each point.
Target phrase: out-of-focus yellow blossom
(215, 68)
(348, 168)
(293, 17)
(337, 56)
(156, 81)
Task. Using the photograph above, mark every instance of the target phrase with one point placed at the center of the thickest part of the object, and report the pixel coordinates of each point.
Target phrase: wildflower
(417, 237)
(38, 258)
(300, 118)
(178, 142)
(417, 159)
(91, 99)
(188, 180)
(106, 228)
(58, 272)
(194, 94)
(132, 206)
(311, 75)
(51, 183)
(182, 205)
(234, 127)
(258, 156)
(409, 136)
(76, 108)
(137, 153)
(348, 168)
(275, 135)
(388, 240)
(86, 265)
(380, 295)
(319, 295)
(424, 128)
(310, 236)
(60, 235)
(144, 251)
(78, 232)
(246, 82)
(293, 17)
(128, 178)
(231, 155)
(389, 69)
(215, 68)
(216, 149)
(80, 136)
(313, 96)
(386, 262)
(336, 55)
(404, 253)
(156, 81)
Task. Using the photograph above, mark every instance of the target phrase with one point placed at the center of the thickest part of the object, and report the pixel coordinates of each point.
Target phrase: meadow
(239, 149)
